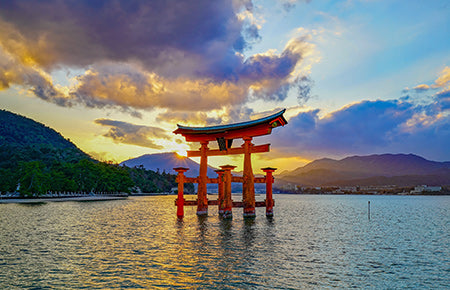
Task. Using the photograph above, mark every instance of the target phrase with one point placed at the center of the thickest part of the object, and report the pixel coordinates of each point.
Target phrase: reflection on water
(312, 242)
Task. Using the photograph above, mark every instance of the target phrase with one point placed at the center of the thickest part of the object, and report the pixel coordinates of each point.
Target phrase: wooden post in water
(248, 186)
(220, 190)
(202, 195)
(228, 202)
(180, 199)
(368, 212)
(269, 198)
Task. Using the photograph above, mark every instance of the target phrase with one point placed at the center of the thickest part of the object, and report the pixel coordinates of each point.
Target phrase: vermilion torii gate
(224, 135)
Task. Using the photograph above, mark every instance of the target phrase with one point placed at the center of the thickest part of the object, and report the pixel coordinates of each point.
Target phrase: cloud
(126, 86)
(444, 78)
(443, 100)
(225, 116)
(127, 133)
(421, 87)
(13, 72)
(271, 75)
(183, 117)
(83, 32)
(266, 76)
(144, 55)
(304, 86)
(367, 127)
(443, 81)
(290, 4)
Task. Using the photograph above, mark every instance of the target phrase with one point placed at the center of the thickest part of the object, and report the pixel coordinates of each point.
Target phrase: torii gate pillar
(248, 186)
(220, 190)
(202, 206)
(228, 202)
(269, 198)
(180, 200)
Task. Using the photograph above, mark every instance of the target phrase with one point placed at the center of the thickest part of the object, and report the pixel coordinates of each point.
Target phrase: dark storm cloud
(144, 54)
(83, 32)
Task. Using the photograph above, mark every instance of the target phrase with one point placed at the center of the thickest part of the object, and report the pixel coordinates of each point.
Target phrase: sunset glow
(356, 77)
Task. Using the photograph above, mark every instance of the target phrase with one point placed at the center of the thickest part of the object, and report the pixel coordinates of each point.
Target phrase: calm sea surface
(314, 241)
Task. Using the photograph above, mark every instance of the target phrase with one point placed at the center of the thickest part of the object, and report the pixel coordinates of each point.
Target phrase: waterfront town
(376, 190)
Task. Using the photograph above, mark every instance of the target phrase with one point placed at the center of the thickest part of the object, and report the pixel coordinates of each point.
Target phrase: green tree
(8, 180)
(33, 178)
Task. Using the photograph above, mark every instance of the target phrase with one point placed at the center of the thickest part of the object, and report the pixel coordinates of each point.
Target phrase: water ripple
(312, 242)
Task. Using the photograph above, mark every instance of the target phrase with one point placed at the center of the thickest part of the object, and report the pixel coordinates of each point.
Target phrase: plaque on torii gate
(224, 136)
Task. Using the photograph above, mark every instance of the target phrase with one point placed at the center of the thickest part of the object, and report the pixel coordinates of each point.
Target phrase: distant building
(349, 188)
(424, 188)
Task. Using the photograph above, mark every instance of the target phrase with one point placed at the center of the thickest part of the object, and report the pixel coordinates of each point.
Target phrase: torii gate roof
(252, 128)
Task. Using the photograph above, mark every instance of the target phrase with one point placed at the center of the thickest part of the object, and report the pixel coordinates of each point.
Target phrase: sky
(115, 77)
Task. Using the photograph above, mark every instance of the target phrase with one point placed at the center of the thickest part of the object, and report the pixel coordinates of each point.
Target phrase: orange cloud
(422, 87)
(444, 78)
(265, 76)
(183, 117)
(123, 132)
(129, 86)
(443, 81)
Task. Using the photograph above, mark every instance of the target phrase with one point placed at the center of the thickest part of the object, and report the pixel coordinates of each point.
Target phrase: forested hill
(22, 139)
(35, 159)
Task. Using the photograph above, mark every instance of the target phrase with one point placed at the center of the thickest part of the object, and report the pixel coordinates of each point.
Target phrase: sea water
(313, 241)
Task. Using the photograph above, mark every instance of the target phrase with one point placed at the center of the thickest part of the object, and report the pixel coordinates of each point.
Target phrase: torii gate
(224, 135)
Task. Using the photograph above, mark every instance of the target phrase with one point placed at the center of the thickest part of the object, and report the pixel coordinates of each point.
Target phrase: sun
(180, 149)
(181, 153)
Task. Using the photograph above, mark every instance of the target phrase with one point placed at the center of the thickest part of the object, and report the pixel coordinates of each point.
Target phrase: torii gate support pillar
(220, 190)
(269, 198)
(180, 198)
(248, 185)
(202, 195)
(228, 202)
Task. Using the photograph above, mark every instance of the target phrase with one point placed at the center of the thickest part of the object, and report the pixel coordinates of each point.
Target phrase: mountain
(166, 162)
(384, 169)
(40, 160)
(22, 139)
(36, 160)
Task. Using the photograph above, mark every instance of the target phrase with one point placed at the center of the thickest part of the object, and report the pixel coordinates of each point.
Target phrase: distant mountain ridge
(383, 169)
(166, 162)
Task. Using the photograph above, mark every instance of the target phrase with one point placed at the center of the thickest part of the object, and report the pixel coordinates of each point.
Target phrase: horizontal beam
(237, 179)
(212, 180)
(237, 150)
(258, 130)
(191, 180)
(255, 179)
(216, 202)
(216, 180)
(259, 180)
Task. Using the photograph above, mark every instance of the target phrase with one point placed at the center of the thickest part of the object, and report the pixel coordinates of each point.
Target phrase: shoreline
(38, 200)
(61, 199)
